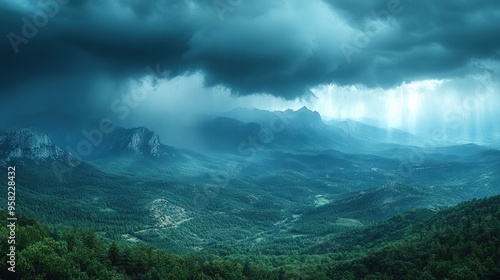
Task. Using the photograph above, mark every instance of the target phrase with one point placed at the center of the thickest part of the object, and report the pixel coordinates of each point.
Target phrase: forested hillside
(460, 242)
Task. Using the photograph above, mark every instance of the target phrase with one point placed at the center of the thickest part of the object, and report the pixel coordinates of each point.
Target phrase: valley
(296, 191)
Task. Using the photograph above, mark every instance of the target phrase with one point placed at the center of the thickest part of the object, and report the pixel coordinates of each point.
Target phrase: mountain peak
(27, 143)
(138, 140)
(305, 118)
(144, 140)
(142, 129)
(305, 110)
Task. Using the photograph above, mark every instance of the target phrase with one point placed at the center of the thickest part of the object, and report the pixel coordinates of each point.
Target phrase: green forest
(459, 242)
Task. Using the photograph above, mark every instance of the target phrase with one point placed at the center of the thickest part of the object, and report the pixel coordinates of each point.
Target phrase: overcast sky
(398, 62)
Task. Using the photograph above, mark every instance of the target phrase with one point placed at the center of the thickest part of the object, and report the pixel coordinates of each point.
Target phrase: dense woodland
(460, 242)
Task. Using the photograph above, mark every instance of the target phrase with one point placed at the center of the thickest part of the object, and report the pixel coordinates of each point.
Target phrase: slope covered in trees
(455, 243)
(460, 242)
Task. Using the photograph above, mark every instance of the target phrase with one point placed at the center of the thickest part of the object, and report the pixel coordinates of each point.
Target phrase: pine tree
(114, 254)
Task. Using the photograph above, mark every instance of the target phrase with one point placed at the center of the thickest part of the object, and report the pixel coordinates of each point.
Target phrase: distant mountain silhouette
(305, 130)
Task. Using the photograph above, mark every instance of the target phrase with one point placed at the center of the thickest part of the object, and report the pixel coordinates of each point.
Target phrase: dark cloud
(281, 48)
(425, 39)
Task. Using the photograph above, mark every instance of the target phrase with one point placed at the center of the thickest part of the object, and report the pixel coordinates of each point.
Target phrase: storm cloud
(76, 52)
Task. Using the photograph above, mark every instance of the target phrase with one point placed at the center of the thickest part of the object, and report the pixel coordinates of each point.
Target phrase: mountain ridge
(27, 143)
(35, 145)
(139, 140)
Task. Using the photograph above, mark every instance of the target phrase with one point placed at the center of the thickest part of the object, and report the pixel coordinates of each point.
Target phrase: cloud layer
(80, 52)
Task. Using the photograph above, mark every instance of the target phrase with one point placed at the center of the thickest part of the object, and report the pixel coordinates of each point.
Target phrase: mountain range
(261, 178)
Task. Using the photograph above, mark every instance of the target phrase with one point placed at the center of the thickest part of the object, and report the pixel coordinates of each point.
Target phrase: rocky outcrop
(140, 140)
(144, 141)
(29, 144)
